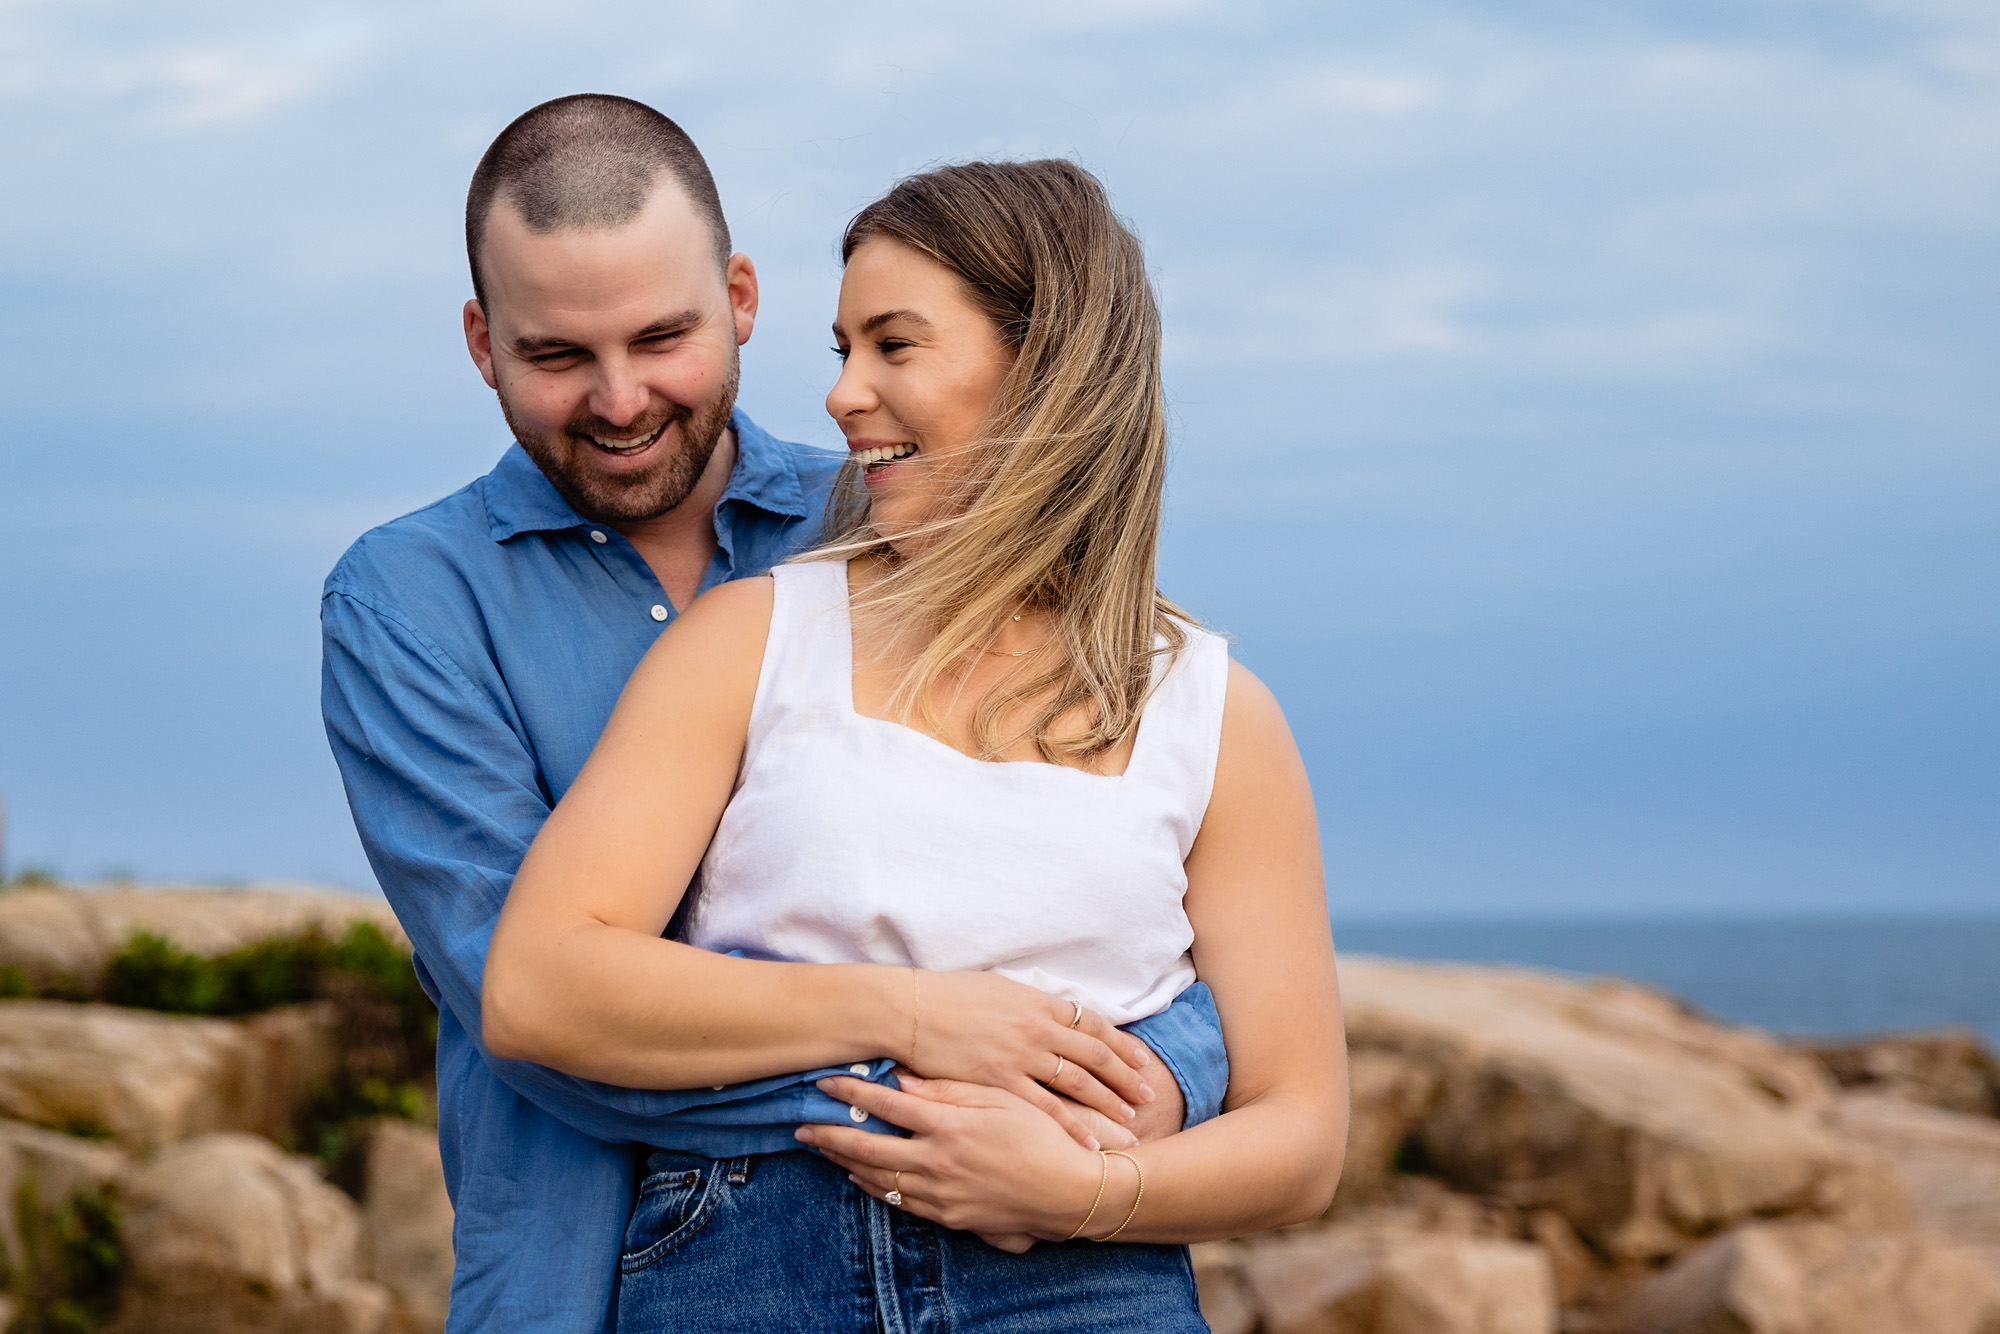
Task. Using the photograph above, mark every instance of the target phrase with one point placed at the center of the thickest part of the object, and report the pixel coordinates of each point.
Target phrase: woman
(966, 737)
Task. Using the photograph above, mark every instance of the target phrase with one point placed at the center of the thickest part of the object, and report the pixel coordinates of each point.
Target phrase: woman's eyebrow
(874, 322)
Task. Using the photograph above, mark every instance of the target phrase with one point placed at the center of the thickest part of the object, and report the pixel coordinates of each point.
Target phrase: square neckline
(846, 638)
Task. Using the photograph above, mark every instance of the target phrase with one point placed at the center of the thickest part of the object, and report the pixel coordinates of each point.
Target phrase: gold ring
(894, 1197)
(1061, 1061)
(1076, 1018)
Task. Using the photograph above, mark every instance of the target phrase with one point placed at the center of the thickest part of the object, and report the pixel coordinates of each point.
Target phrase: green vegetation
(74, 1262)
(387, 1027)
(153, 973)
(29, 877)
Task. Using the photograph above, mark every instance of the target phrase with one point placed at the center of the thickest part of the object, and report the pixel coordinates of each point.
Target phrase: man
(474, 649)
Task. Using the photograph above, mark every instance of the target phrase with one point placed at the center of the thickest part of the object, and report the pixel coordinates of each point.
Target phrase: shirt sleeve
(447, 797)
(1187, 1036)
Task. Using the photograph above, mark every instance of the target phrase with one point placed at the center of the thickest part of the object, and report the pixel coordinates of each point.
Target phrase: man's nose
(618, 397)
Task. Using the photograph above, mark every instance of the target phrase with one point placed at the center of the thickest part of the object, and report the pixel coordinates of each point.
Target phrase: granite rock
(225, 1234)
(1359, 1279)
(148, 1079)
(1949, 1162)
(40, 1170)
(1642, 1126)
(1816, 1278)
(1949, 1069)
(71, 934)
(406, 1221)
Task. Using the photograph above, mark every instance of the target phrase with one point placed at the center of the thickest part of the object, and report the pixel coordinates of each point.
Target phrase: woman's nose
(850, 393)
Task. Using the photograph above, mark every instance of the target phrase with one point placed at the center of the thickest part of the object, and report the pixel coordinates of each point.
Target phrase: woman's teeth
(884, 454)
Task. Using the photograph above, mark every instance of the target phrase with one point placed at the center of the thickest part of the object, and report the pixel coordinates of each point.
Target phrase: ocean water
(1801, 978)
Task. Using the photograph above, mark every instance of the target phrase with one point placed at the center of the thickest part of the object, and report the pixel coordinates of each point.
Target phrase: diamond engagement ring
(895, 1195)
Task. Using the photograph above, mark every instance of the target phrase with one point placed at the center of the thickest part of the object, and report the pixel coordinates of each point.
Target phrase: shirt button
(659, 612)
(856, 1115)
(861, 1070)
(597, 536)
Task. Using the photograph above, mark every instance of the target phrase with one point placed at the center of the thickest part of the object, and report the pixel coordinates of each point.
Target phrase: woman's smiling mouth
(875, 458)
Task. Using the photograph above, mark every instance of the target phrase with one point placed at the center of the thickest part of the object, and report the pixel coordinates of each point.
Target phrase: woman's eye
(840, 352)
(888, 345)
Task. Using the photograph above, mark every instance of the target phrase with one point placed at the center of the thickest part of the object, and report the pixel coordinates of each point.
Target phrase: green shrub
(387, 1026)
(73, 1262)
(84, 1127)
(153, 973)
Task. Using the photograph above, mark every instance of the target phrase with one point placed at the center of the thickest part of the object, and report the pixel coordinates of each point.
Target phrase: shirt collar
(520, 499)
(766, 473)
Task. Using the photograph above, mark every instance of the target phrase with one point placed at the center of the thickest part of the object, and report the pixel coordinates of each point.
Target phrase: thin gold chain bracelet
(1103, 1175)
(1133, 1212)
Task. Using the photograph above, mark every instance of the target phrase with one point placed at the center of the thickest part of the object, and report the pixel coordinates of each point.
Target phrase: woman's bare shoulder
(738, 607)
(1249, 709)
(717, 641)
(1258, 758)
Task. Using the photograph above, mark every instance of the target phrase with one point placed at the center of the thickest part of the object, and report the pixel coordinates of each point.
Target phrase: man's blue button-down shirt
(473, 652)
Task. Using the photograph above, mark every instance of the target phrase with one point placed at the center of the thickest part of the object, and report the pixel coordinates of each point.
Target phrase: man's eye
(660, 339)
(555, 358)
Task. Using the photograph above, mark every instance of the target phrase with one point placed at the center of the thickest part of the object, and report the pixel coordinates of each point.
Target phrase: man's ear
(479, 341)
(742, 277)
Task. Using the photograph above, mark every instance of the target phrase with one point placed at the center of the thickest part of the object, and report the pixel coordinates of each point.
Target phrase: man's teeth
(883, 453)
(626, 446)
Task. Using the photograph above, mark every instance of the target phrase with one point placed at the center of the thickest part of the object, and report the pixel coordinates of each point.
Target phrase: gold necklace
(996, 653)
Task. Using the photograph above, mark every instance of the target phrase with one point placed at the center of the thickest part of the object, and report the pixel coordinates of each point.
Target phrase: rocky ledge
(1529, 1153)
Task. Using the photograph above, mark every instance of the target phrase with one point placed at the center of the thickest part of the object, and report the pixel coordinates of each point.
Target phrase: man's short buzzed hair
(586, 162)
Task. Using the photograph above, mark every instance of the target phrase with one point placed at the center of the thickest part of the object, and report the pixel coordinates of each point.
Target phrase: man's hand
(1156, 1120)
(1164, 1114)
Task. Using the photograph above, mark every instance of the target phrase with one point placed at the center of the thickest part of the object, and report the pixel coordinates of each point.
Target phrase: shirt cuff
(1187, 1037)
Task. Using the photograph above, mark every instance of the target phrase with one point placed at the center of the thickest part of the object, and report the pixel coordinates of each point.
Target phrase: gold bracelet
(1134, 1211)
(916, 1010)
(1103, 1175)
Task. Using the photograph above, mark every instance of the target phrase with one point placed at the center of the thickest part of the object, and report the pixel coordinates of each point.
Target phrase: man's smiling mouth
(627, 447)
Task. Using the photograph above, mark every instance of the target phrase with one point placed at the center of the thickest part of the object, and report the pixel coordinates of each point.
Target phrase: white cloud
(1369, 93)
(218, 80)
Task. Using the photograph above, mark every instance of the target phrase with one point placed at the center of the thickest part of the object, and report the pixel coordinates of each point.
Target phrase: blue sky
(1584, 415)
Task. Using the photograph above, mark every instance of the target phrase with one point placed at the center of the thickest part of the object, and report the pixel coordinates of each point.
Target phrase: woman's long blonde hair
(1060, 506)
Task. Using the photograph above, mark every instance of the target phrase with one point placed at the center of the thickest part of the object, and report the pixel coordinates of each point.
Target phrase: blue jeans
(784, 1242)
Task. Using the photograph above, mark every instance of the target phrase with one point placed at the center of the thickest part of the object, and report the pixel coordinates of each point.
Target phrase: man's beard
(565, 457)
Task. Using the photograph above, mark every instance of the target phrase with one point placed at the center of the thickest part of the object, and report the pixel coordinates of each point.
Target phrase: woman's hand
(978, 1159)
(981, 1028)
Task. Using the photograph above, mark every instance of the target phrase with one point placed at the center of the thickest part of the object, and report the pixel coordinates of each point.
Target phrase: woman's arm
(578, 977)
(1257, 900)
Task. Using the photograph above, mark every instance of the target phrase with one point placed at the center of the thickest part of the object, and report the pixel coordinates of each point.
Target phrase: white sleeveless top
(851, 839)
